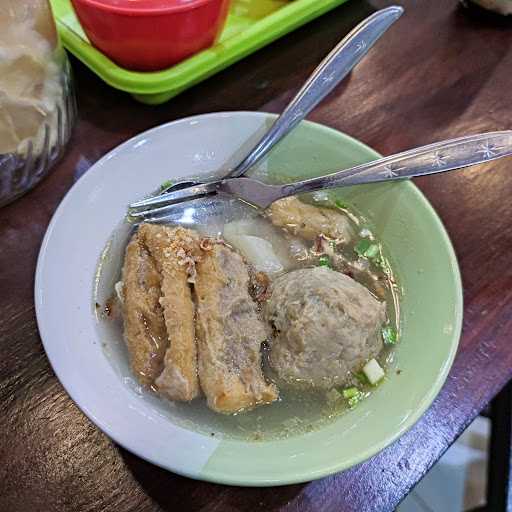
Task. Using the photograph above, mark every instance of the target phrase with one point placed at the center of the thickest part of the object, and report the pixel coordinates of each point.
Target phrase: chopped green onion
(372, 251)
(361, 377)
(166, 184)
(356, 399)
(352, 396)
(350, 392)
(389, 335)
(366, 249)
(324, 261)
(332, 244)
(362, 246)
(340, 204)
(373, 371)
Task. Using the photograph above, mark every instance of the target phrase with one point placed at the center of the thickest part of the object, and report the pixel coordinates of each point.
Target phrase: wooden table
(438, 73)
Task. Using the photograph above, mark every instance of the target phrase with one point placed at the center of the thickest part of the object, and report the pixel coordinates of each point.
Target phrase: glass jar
(37, 103)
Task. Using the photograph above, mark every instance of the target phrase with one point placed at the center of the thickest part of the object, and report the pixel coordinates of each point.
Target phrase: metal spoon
(340, 61)
(431, 159)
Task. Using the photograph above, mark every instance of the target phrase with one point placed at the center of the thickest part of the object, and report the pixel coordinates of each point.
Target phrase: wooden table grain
(440, 72)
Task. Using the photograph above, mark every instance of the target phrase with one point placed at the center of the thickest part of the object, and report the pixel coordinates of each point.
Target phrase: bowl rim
(143, 8)
(291, 477)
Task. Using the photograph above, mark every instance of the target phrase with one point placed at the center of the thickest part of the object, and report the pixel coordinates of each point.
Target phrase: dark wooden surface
(438, 73)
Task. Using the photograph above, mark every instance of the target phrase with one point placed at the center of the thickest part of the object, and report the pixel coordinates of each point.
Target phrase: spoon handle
(340, 61)
(434, 158)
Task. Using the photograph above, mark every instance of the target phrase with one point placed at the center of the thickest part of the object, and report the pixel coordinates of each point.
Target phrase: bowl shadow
(174, 492)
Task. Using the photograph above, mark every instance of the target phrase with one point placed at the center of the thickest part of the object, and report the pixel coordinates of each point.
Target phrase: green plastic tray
(251, 24)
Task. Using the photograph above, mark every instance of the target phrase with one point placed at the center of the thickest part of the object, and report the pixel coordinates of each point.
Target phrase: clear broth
(295, 412)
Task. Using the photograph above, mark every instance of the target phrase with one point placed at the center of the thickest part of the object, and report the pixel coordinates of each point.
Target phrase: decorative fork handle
(340, 61)
(431, 159)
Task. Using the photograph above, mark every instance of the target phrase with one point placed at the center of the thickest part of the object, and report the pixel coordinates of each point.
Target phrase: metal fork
(328, 74)
(431, 159)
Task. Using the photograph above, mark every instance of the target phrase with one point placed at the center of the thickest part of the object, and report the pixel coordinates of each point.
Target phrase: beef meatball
(326, 325)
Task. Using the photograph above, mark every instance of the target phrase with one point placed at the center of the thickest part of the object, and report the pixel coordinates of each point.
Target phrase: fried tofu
(190, 323)
(144, 325)
(174, 251)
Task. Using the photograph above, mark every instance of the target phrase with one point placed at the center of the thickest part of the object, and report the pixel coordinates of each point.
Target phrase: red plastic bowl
(148, 35)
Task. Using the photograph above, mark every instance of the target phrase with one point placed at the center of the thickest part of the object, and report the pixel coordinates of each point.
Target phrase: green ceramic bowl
(413, 237)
